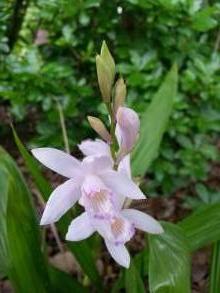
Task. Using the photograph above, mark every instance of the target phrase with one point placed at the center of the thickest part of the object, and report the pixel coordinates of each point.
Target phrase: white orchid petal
(58, 161)
(119, 253)
(143, 221)
(124, 166)
(96, 164)
(80, 228)
(119, 200)
(121, 184)
(94, 147)
(61, 200)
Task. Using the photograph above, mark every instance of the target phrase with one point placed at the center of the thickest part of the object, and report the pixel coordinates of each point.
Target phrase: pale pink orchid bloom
(118, 227)
(116, 230)
(94, 147)
(82, 174)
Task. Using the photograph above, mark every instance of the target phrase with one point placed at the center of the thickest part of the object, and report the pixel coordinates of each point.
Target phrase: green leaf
(153, 124)
(81, 250)
(169, 261)
(203, 20)
(202, 227)
(33, 167)
(214, 280)
(20, 254)
(119, 283)
(133, 281)
(59, 278)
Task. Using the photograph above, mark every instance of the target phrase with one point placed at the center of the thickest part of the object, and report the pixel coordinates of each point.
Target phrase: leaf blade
(169, 261)
(214, 281)
(154, 123)
(202, 227)
(23, 260)
(81, 250)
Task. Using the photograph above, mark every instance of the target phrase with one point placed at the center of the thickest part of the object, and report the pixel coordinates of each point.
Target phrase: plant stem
(63, 127)
(113, 145)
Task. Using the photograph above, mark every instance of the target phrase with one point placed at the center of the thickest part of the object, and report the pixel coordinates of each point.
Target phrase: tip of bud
(99, 127)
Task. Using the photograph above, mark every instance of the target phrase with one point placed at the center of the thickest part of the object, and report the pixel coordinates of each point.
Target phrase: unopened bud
(128, 126)
(108, 60)
(99, 127)
(120, 94)
(104, 79)
(105, 66)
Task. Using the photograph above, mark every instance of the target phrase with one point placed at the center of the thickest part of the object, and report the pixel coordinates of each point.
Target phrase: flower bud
(120, 94)
(127, 129)
(105, 66)
(99, 127)
(108, 60)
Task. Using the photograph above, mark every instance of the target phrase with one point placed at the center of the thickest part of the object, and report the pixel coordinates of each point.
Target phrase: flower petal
(115, 228)
(97, 199)
(124, 166)
(94, 147)
(119, 253)
(96, 164)
(61, 200)
(121, 184)
(143, 221)
(80, 228)
(58, 161)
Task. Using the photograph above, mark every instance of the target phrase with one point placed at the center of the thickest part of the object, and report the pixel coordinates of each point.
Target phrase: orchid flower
(102, 180)
(91, 169)
(116, 230)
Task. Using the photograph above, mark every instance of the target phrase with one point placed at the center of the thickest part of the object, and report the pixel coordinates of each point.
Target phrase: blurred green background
(47, 54)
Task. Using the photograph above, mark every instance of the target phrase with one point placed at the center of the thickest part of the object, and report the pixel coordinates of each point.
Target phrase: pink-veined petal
(96, 164)
(119, 253)
(124, 166)
(121, 184)
(94, 147)
(143, 221)
(80, 228)
(58, 161)
(116, 229)
(97, 199)
(60, 201)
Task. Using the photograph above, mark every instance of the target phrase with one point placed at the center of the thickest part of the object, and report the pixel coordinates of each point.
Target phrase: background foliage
(145, 37)
(47, 51)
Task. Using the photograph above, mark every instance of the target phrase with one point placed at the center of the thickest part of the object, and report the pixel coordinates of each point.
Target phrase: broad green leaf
(20, 244)
(169, 261)
(204, 20)
(134, 275)
(202, 227)
(133, 281)
(64, 283)
(214, 279)
(33, 167)
(81, 250)
(153, 124)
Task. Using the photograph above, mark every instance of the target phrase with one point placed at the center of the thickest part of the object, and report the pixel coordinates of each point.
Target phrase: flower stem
(63, 127)
(114, 144)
